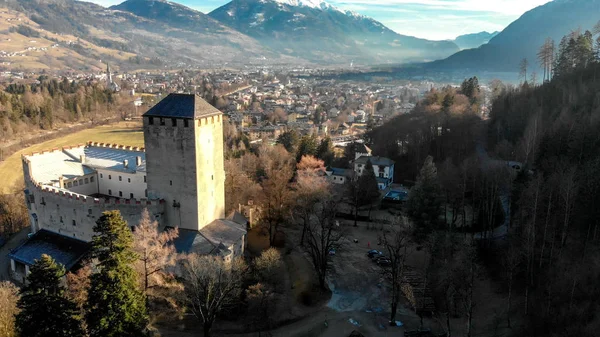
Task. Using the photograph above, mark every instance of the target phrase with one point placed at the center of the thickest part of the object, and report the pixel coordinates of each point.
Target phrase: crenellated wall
(67, 213)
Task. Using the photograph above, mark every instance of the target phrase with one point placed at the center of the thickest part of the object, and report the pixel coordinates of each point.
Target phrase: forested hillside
(30, 107)
(530, 201)
(555, 130)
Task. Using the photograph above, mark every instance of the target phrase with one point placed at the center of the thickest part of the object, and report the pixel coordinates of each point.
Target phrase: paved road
(12, 243)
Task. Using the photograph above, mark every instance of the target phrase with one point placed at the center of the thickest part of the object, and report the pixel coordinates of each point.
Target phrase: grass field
(124, 133)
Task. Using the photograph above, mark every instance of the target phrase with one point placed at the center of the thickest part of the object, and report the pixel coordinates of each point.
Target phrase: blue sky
(431, 19)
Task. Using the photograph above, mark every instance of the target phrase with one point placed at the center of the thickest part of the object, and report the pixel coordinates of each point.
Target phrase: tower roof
(182, 106)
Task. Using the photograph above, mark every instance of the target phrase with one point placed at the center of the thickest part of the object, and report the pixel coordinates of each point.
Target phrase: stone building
(179, 177)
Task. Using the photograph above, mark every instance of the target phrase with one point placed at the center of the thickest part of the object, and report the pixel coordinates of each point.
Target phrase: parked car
(384, 262)
(374, 253)
(382, 257)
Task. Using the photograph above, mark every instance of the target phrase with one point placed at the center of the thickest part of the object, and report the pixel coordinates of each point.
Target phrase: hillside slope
(522, 38)
(170, 41)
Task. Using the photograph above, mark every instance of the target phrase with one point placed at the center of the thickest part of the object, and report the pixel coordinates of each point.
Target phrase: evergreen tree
(45, 309)
(289, 140)
(116, 305)
(367, 183)
(325, 151)
(307, 147)
(424, 203)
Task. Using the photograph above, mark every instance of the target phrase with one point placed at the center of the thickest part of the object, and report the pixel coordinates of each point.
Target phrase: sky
(430, 19)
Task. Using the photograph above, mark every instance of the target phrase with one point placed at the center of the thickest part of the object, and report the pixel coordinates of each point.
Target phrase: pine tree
(307, 147)
(424, 203)
(325, 151)
(368, 186)
(45, 309)
(116, 304)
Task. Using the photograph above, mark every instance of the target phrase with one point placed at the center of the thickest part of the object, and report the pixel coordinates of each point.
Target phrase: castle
(179, 177)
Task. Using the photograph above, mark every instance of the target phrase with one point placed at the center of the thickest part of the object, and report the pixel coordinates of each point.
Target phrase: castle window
(120, 193)
(91, 179)
(129, 180)
(120, 178)
(144, 178)
(69, 184)
(89, 211)
(109, 192)
(186, 123)
(130, 195)
(109, 177)
(80, 181)
(212, 177)
(101, 176)
(171, 182)
(74, 223)
(162, 121)
(173, 122)
(61, 219)
(146, 193)
(87, 180)
(75, 183)
(151, 120)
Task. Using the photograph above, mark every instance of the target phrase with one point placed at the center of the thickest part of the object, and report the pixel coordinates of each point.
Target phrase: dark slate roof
(190, 241)
(63, 249)
(238, 218)
(182, 106)
(382, 161)
(336, 171)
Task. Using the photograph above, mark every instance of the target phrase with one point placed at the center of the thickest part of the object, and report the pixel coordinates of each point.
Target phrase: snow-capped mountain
(318, 31)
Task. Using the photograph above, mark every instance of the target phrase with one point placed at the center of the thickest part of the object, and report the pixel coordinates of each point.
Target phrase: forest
(50, 102)
(528, 176)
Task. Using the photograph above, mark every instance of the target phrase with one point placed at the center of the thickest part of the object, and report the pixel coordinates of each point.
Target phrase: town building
(179, 177)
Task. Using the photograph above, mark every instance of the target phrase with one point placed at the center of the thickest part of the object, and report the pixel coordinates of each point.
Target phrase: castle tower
(184, 160)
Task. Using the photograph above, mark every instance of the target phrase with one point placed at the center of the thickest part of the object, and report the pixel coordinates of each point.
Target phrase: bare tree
(396, 242)
(323, 236)
(523, 69)
(78, 285)
(511, 261)
(9, 295)
(155, 250)
(211, 285)
(268, 267)
(261, 300)
(311, 187)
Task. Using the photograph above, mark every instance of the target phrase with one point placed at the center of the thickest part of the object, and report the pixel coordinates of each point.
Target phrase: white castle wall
(75, 215)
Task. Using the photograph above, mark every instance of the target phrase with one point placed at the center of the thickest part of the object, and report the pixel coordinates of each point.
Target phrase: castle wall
(75, 215)
(113, 182)
(86, 185)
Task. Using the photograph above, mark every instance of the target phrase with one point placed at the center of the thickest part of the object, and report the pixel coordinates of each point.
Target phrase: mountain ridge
(311, 32)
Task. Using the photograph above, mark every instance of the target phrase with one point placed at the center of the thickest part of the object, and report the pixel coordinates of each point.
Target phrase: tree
(211, 286)
(289, 140)
(323, 236)
(395, 243)
(523, 65)
(268, 267)
(261, 301)
(368, 187)
(155, 252)
(311, 187)
(116, 305)
(325, 151)
(45, 311)
(78, 286)
(307, 147)
(276, 202)
(424, 205)
(9, 296)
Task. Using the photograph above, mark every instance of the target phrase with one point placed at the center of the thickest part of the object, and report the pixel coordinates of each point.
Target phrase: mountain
(469, 41)
(135, 34)
(319, 32)
(523, 38)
